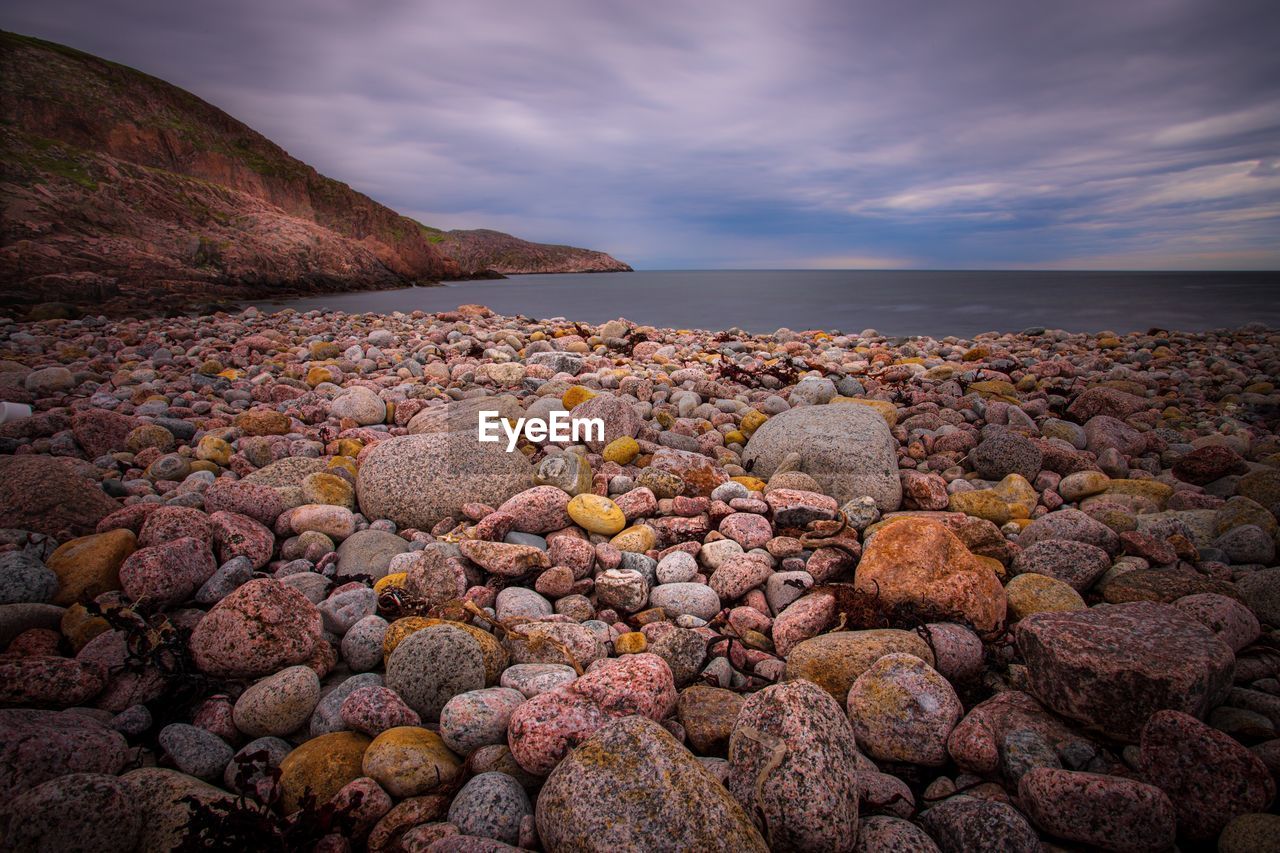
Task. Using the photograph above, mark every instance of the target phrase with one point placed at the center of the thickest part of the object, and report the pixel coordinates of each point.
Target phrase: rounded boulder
(417, 480)
(846, 447)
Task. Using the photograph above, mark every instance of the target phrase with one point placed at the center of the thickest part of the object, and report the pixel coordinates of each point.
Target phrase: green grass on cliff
(37, 157)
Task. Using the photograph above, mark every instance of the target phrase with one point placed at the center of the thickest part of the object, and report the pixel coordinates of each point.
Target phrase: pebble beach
(262, 588)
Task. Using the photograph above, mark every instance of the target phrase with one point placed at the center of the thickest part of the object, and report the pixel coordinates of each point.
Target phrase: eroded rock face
(1113, 667)
(481, 249)
(630, 786)
(255, 221)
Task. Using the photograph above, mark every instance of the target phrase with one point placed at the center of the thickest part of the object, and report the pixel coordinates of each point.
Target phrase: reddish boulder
(1072, 525)
(538, 510)
(236, 535)
(620, 419)
(260, 502)
(978, 742)
(1206, 464)
(261, 628)
(36, 746)
(923, 491)
(918, 562)
(796, 738)
(971, 825)
(1210, 777)
(45, 494)
(1106, 812)
(174, 522)
(747, 529)
(48, 681)
(544, 729)
(167, 574)
(500, 558)
(100, 431)
(700, 473)
(1113, 667)
(1102, 400)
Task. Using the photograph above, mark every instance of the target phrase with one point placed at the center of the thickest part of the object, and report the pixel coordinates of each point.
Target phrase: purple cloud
(933, 134)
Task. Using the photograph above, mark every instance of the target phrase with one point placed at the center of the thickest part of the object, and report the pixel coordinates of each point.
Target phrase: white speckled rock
(278, 704)
(416, 480)
(846, 447)
(695, 599)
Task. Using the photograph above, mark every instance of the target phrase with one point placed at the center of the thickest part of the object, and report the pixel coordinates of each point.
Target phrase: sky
(1121, 134)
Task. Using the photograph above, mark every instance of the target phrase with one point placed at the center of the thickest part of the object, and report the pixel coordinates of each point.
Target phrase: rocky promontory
(484, 250)
(122, 193)
(261, 588)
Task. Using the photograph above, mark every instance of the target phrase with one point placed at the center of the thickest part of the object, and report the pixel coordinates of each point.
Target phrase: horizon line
(1274, 271)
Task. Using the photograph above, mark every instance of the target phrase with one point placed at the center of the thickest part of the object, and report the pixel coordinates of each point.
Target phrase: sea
(897, 303)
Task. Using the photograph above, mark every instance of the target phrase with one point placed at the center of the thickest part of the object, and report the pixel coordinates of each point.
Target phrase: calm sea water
(896, 302)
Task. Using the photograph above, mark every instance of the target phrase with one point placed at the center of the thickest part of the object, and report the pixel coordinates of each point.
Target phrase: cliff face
(124, 192)
(482, 249)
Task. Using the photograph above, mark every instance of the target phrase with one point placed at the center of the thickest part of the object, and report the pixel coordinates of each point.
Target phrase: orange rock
(918, 561)
(90, 565)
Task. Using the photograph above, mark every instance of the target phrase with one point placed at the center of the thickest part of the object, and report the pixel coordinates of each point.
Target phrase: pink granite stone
(236, 535)
(257, 630)
(1108, 812)
(169, 573)
(796, 738)
(748, 530)
(539, 510)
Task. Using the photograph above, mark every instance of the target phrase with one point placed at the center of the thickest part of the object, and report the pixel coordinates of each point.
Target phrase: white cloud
(1214, 128)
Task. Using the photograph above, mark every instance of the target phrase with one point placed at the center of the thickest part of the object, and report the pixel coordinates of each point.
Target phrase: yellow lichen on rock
(321, 766)
(90, 565)
(597, 514)
(495, 656)
(409, 761)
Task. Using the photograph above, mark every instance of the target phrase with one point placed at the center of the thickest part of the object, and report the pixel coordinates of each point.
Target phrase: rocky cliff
(482, 249)
(122, 191)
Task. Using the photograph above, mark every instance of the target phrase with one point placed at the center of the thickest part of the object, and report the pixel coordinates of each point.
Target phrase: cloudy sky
(753, 133)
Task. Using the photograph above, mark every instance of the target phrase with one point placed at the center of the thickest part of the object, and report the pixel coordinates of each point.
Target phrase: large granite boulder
(797, 739)
(257, 630)
(1111, 667)
(846, 447)
(631, 786)
(47, 495)
(36, 746)
(1210, 776)
(417, 480)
